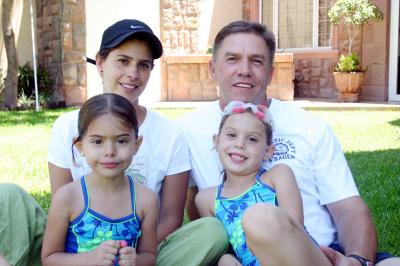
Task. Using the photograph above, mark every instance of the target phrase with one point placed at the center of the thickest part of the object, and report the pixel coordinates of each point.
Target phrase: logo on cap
(135, 27)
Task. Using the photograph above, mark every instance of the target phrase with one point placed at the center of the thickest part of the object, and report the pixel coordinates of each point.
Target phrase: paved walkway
(309, 104)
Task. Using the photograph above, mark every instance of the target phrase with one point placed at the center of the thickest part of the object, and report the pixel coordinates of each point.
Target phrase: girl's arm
(205, 202)
(147, 205)
(173, 197)
(287, 192)
(53, 249)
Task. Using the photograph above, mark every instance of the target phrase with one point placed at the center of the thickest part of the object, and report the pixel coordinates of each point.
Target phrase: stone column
(62, 47)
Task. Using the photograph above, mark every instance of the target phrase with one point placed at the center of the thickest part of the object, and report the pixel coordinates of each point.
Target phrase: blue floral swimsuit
(230, 211)
(90, 229)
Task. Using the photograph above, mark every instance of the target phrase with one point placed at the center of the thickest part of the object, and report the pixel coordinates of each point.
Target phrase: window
(298, 23)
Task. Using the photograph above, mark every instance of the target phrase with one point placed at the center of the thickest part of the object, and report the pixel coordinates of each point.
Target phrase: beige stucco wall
(22, 32)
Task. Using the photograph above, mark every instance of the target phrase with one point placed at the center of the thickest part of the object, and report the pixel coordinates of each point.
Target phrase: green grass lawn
(370, 139)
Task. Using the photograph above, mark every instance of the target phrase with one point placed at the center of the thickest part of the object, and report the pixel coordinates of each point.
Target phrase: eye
(123, 141)
(97, 141)
(123, 61)
(258, 61)
(231, 135)
(231, 59)
(253, 139)
(145, 65)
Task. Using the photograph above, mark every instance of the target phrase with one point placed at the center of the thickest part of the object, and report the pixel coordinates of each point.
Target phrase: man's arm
(356, 231)
(191, 209)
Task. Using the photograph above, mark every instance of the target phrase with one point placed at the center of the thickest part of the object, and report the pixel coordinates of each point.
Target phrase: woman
(124, 61)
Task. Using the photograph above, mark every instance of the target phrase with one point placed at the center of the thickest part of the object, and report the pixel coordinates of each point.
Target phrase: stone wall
(313, 74)
(186, 78)
(179, 26)
(61, 47)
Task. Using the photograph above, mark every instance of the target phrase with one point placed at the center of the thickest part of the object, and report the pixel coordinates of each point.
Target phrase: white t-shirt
(303, 142)
(163, 152)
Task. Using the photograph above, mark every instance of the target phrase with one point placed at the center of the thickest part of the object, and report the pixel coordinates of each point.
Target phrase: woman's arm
(172, 204)
(58, 177)
(147, 246)
(287, 191)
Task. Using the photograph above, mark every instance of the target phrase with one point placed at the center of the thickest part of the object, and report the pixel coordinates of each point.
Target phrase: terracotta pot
(349, 83)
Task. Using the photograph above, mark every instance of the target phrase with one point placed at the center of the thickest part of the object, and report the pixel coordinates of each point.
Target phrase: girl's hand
(105, 253)
(127, 256)
(228, 260)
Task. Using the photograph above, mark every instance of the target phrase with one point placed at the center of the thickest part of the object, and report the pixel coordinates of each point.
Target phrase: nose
(133, 71)
(109, 149)
(244, 67)
(240, 143)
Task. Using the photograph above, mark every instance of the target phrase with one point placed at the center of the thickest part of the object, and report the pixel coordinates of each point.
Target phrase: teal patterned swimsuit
(90, 229)
(230, 211)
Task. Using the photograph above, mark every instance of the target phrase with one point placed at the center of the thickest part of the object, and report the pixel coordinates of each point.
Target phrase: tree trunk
(11, 81)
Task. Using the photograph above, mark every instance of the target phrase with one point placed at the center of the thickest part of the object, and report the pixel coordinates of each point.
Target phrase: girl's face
(109, 146)
(242, 144)
(126, 70)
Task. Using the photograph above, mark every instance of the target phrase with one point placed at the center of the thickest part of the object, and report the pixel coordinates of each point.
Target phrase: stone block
(70, 70)
(67, 41)
(347, 97)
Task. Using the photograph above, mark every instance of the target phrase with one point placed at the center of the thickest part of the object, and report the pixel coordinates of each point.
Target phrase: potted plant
(353, 14)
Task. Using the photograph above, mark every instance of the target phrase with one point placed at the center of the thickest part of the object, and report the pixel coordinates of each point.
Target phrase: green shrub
(26, 81)
(350, 63)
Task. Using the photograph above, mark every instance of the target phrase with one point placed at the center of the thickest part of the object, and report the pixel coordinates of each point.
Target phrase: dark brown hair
(243, 26)
(106, 103)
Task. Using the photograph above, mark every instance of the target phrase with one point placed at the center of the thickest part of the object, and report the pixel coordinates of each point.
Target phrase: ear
(99, 65)
(211, 69)
(269, 152)
(215, 140)
(137, 144)
(78, 146)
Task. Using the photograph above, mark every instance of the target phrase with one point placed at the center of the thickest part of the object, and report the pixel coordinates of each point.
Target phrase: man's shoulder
(201, 117)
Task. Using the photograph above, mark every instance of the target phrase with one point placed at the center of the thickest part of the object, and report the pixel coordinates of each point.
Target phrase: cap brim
(90, 60)
(155, 44)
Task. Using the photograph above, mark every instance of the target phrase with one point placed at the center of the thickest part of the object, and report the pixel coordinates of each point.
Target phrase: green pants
(201, 242)
(22, 224)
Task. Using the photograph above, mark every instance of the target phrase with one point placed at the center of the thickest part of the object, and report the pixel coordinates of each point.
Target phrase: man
(334, 213)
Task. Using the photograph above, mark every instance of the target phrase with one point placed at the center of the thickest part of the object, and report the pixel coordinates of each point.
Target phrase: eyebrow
(238, 54)
(102, 136)
(131, 58)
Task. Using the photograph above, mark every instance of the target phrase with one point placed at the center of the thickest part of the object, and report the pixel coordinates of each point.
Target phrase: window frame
(315, 22)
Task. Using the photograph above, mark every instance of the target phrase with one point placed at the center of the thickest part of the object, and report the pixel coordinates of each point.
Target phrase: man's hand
(338, 259)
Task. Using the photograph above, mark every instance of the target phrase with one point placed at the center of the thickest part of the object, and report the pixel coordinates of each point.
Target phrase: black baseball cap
(123, 29)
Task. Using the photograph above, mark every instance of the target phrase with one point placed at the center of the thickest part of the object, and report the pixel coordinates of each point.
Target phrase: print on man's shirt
(284, 149)
(138, 170)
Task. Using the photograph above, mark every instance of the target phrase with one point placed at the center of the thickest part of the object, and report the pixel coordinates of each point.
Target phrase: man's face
(241, 69)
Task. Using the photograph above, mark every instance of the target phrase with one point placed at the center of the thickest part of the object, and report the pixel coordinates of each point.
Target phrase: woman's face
(126, 70)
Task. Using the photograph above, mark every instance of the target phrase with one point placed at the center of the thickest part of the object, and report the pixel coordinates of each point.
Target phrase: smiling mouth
(129, 86)
(237, 157)
(243, 85)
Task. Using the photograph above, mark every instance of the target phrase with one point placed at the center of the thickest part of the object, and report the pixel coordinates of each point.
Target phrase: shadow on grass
(43, 198)
(45, 117)
(377, 175)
